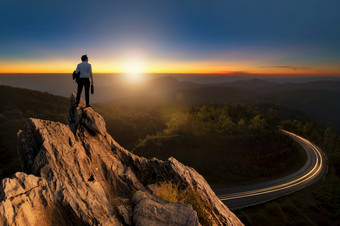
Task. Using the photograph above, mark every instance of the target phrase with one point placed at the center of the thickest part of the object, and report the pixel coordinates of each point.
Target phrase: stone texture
(152, 211)
(125, 211)
(77, 174)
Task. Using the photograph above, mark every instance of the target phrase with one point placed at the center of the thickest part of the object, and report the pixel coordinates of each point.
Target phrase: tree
(257, 123)
(329, 140)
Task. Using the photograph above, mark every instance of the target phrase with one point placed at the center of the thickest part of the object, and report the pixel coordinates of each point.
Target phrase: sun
(133, 70)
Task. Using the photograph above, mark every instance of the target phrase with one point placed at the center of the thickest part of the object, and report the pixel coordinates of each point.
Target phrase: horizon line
(186, 73)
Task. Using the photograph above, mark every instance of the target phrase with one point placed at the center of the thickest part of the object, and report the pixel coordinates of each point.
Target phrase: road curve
(312, 171)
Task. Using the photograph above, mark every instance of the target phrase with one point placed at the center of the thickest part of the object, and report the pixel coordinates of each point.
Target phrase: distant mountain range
(269, 86)
(318, 99)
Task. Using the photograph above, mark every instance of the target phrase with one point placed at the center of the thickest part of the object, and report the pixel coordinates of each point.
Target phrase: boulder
(150, 210)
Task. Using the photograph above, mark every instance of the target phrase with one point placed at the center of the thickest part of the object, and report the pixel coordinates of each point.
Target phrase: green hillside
(323, 106)
(228, 145)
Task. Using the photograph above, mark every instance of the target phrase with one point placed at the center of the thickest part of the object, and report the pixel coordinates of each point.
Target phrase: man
(85, 70)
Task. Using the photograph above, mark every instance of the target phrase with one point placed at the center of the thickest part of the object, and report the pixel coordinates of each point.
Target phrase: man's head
(84, 58)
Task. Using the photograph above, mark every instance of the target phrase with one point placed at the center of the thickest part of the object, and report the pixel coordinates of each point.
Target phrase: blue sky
(256, 34)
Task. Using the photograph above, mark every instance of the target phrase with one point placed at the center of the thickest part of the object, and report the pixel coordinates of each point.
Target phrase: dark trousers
(84, 82)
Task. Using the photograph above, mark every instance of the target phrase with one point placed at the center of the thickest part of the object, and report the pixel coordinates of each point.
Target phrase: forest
(227, 144)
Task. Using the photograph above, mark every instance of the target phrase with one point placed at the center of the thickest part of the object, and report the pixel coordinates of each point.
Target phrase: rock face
(77, 174)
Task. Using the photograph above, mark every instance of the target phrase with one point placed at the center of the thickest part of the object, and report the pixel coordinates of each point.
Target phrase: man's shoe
(88, 105)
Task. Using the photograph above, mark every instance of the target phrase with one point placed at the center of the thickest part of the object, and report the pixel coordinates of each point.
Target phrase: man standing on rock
(85, 70)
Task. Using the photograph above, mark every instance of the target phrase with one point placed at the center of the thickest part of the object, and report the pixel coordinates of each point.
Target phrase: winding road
(312, 171)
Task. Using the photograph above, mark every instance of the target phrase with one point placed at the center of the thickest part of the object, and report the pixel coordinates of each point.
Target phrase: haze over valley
(313, 98)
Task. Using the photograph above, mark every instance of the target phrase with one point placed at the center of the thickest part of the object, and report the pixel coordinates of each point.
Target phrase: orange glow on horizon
(171, 67)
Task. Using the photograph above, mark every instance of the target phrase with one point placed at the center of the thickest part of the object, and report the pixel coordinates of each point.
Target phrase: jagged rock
(85, 117)
(126, 213)
(77, 174)
(152, 211)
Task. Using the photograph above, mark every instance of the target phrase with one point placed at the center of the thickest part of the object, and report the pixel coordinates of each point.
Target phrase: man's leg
(87, 93)
(80, 89)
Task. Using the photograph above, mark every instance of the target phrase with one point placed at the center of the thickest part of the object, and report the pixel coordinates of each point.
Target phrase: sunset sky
(171, 36)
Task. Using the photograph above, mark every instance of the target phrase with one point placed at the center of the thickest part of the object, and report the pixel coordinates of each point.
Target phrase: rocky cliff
(76, 174)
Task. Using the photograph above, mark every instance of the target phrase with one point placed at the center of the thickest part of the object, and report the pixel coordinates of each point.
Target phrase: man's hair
(84, 58)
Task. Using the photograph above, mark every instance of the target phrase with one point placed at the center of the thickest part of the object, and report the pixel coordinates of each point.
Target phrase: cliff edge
(77, 174)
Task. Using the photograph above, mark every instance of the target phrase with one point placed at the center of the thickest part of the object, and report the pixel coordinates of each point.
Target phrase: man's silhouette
(85, 70)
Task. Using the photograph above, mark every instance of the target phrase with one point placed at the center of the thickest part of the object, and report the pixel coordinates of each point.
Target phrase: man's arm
(91, 77)
(77, 69)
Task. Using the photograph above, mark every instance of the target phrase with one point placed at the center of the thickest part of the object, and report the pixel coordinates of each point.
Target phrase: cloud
(232, 72)
(294, 68)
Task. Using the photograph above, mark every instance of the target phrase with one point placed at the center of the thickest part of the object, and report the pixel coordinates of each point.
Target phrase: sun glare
(133, 70)
(133, 67)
